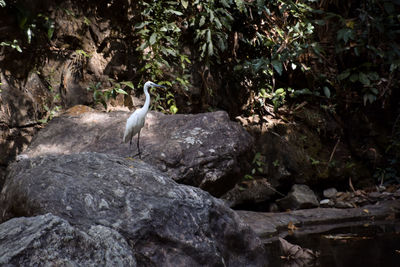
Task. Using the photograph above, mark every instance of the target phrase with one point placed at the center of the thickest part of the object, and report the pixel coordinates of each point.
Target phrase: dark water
(376, 245)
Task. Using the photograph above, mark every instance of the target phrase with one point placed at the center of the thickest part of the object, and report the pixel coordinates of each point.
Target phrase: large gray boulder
(48, 240)
(165, 223)
(204, 150)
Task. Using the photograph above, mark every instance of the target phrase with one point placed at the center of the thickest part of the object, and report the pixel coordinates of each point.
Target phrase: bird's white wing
(133, 125)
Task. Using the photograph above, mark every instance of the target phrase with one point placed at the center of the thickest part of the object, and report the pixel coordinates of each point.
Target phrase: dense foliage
(264, 47)
(271, 50)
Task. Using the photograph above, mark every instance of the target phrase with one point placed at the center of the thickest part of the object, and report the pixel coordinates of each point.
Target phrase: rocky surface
(47, 240)
(205, 150)
(21, 105)
(250, 193)
(164, 223)
(270, 226)
(299, 197)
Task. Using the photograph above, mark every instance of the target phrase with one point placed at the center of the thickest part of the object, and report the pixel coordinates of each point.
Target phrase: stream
(368, 245)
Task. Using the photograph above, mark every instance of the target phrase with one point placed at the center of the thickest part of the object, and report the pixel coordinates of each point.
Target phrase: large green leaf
(277, 66)
(175, 12)
(120, 91)
(153, 38)
(327, 92)
(184, 3)
(202, 21)
(129, 84)
(343, 75)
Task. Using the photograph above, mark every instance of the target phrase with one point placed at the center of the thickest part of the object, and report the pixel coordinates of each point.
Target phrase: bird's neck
(147, 102)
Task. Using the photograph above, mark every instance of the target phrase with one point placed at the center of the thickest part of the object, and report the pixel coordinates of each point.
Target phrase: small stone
(330, 192)
(300, 197)
(374, 195)
(343, 205)
(324, 202)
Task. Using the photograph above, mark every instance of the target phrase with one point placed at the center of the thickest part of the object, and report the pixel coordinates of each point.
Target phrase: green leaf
(203, 48)
(279, 91)
(173, 109)
(277, 66)
(129, 84)
(202, 21)
(354, 77)
(374, 91)
(50, 32)
(218, 23)
(373, 76)
(178, 13)
(153, 38)
(82, 52)
(120, 91)
(208, 36)
(221, 44)
(304, 91)
(141, 25)
(327, 92)
(369, 97)
(343, 75)
(345, 34)
(86, 21)
(394, 66)
(212, 16)
(184, 3)
(247, 177)
(168, 51)
(363, 78)
(210, 49)
(18, 48)
(240, 5)
(97, 95)
(224, 3)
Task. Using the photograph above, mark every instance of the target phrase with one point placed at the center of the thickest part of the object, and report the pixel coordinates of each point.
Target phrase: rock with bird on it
(206, 150)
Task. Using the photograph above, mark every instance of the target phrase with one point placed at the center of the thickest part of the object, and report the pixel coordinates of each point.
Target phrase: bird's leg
(138, 136)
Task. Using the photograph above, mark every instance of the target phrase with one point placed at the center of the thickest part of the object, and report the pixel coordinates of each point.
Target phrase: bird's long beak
(157, 85)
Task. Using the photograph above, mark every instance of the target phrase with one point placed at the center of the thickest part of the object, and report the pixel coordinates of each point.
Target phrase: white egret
(136, 121)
